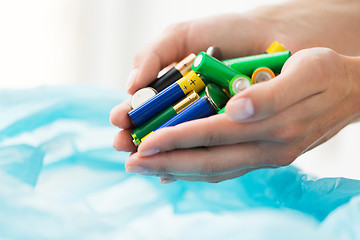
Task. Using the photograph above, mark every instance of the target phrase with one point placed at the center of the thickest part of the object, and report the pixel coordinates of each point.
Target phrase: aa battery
(221, 110)
(213, 70)
(162, 82)
(262, 74)
(141, 96)
(207, 105)
(201, 108)
(214, 52)
(239, 83)
(173, 74)
(140, 132)
(217, 95)
(247, 65)
(166, 69)
(167, 97)
(275, 47)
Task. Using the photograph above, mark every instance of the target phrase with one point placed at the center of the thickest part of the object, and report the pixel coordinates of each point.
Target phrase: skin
(314, 97)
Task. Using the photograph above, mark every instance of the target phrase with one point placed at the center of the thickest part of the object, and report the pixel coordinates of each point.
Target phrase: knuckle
(168, 138)
(314, 57)
(171, 134)
(318, 62)
(213, 138)
(209, 139)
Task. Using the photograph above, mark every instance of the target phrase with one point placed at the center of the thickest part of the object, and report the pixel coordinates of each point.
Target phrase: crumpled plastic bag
(60, 178)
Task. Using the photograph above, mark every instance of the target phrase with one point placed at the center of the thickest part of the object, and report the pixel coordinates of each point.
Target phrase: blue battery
(156, 104)
(170, 95)
(201, 108)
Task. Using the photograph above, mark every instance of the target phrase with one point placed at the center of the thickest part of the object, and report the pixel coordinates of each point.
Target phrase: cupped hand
(295, 25)
(266, 125)
(178, 41)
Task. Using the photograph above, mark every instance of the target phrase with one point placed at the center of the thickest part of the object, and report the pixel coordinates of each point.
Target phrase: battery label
(191, 82)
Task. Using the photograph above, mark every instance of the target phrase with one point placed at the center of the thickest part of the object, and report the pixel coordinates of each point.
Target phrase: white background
(50, 42)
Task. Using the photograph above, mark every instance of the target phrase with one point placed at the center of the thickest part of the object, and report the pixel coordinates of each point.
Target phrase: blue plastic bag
(60, 178)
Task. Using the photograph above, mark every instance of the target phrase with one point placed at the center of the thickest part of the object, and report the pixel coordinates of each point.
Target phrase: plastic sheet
(61, 179)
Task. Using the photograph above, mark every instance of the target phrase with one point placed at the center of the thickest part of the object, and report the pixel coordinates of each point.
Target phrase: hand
(177, 42)
(267, 125)
(294, 24)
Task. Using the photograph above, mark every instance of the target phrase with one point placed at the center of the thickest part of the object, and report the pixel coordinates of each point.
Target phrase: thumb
(268, 98)
(172, 46)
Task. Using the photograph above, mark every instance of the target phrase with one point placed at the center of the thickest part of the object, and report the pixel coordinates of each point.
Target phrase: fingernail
(149, 152)
(166, 180)
(115, 147)
(131, 79)
(136, 169)
(241, 108)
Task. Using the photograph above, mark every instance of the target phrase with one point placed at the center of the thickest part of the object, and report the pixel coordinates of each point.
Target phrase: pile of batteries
(198, 87)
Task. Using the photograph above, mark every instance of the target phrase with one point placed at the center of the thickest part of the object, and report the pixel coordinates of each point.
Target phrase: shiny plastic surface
(60, 178)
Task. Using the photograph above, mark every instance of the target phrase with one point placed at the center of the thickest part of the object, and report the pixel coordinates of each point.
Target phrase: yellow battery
(191, 82)
(275, 47)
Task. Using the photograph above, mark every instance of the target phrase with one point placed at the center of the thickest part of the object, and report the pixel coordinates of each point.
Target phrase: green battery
(221, 110)
(216, 96)
(162, 117)
(239, 83)
(247, 65)
(214, 70)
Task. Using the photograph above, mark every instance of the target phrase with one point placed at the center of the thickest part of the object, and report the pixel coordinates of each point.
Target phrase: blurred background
(93, 42)
(88, 41)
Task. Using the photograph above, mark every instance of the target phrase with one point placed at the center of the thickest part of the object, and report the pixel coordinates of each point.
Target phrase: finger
(215, 130)
(119, 116)
(171, 46)
(207, 161)
(288, 126)
(123, 141)
(181, 39)
(294, 84)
